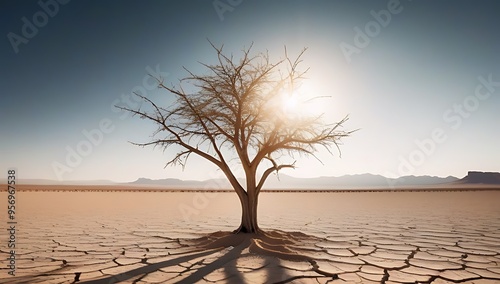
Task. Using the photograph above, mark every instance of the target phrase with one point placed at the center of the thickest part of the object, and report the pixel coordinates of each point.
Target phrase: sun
(290, 103)
(301, 103)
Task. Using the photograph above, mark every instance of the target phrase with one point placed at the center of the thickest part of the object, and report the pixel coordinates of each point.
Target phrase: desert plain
(158, 237)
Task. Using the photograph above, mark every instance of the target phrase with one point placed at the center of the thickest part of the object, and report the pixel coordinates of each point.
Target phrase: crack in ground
(385, 277)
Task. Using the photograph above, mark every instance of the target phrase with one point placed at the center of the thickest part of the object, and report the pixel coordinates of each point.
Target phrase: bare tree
(233, 113)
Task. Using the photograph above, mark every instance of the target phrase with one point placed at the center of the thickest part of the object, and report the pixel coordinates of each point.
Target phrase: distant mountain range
(55, 182)
(346, 181)
(481, 178)
(359, 181)
(287, 182)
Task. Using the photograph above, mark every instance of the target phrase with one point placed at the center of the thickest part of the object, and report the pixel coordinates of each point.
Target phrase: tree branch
(227, 115)
(268, 171)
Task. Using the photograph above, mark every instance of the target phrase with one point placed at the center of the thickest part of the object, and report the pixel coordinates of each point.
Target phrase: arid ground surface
(158, 237)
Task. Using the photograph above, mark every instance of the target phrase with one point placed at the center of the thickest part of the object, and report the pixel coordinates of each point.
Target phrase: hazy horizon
(419, 79)
(273, 178)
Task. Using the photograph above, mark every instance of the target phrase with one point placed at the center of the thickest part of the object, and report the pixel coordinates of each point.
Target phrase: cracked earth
(451, 237)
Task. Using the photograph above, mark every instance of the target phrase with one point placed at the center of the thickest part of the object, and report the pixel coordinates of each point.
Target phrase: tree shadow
(145, 270)
(265, 249)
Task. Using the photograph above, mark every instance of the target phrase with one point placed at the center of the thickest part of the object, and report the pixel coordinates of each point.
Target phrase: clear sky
(421, 79)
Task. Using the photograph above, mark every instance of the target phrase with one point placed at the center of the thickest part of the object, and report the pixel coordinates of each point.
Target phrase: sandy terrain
(128, 237)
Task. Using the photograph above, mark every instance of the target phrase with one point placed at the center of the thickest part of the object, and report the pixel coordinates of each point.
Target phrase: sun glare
(290, 103)
(300, 103)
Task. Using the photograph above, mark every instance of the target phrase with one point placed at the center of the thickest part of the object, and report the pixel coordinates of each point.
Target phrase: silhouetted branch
(228, 114)
(267, 172)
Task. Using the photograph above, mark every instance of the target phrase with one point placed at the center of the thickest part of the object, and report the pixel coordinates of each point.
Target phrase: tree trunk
(249, 213)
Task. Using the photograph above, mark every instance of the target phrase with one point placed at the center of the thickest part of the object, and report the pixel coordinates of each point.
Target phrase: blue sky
(412, 75)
